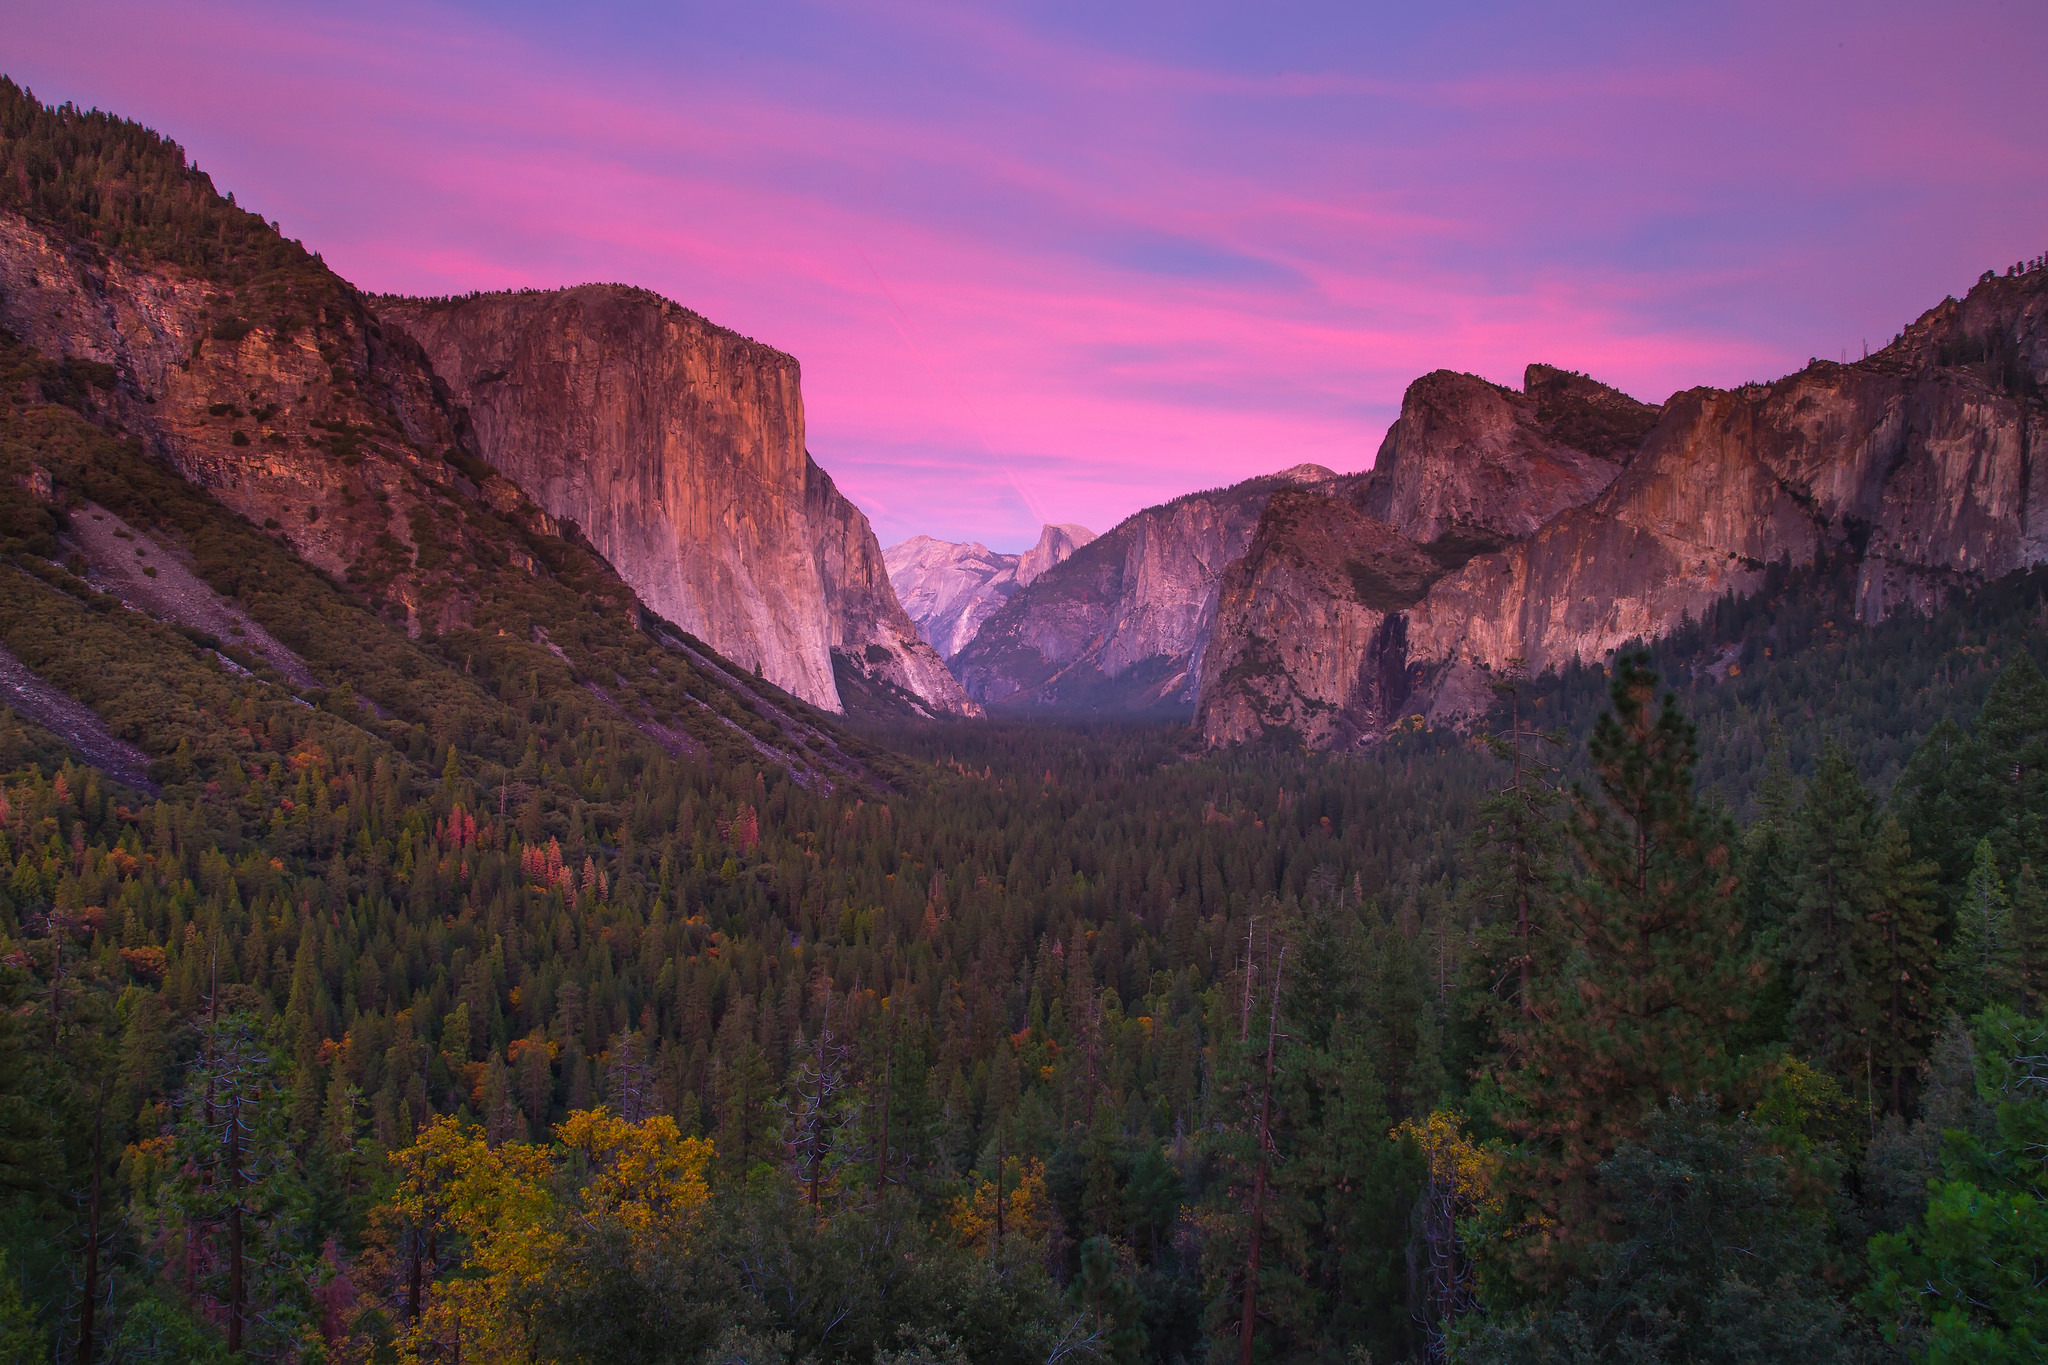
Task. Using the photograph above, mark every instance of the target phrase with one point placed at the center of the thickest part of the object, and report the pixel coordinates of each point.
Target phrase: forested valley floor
(1693, 1017)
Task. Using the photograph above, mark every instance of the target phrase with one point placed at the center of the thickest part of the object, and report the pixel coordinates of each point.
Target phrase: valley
(498, 862)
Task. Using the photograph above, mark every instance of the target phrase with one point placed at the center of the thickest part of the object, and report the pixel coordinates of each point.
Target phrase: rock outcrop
(949, 589)
(1479, 465)
(677, 449)
(1322, 586)
(876, 650)
(289, 404)
(1922, 462)
(1122, 624)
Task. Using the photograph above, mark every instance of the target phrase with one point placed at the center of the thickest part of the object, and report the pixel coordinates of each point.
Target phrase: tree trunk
(234, 1230)
(1251, 1260)
(86, 1344)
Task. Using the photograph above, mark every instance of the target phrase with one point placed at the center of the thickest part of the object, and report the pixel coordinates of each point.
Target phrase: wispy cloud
(1046, 263)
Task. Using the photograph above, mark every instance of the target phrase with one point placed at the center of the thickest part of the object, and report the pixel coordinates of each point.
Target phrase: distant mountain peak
(949, 588)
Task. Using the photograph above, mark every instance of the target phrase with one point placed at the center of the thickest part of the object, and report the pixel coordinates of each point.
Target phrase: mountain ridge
(949, 588)
(1917, 460)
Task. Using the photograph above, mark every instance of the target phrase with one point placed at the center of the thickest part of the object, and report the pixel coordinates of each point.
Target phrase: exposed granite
(949, 589)
(677, 448)
(1922, 461)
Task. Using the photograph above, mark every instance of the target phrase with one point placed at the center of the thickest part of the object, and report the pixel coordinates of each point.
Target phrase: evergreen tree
(233, 1195)
(2030, 940)
(1513, 860)
(2010, 792)
(1769, 866)
(747, 1131)
(1830, 938)
(1654, 977)
(1981, 966)
(1712, 1261)
(1903, 958)
(1933, 800)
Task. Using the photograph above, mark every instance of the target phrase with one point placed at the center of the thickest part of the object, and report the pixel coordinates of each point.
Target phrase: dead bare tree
(814, 1114)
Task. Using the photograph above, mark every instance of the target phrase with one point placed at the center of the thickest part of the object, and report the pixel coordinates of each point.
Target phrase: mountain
(677, 449)
(408, 938)
(1568, 520)
(207, 399)
(1120, 626)
(949, 589)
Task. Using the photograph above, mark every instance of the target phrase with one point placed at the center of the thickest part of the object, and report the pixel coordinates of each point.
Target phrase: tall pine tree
(1982, 966)
(1654, 977)
(1830, 938)
(1904, 957)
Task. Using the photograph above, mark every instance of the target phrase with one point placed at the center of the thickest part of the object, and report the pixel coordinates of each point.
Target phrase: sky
(1059, 261)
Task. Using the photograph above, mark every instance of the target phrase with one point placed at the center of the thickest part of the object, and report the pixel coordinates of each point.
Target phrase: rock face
(1479, 464)
(876, 651)
(1321, 586)
(677, 448)
(1923, 462)
(949, 589)
(1056, 545)
(1121, 625)
(294, 408)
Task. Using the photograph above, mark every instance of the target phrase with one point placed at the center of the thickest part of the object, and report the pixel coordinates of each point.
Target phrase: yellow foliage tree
(972, 1216)
(1459, 1183)
(647, 1174)
(490, 1210)
(487, 1223)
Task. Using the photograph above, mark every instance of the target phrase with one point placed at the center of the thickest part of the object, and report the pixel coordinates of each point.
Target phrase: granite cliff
(1569, 520)
(1121, 625)
(199, 340)
(677, 449)
(949, 589)
(285, 399)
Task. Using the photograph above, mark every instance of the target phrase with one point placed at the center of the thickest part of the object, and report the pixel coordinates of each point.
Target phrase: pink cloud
(1040, 272)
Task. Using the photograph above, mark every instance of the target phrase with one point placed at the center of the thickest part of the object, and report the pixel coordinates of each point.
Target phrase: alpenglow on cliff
(677, 449)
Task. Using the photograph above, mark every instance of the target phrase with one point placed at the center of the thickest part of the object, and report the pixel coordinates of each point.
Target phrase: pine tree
(1903, 958)
(1769, 899)
(502, 1120)
(2011, 792)
(1654, 978)
(1932, 800)
(2030, 939)
(746, 1126)
(1829, 939)
(1981, 966)
(1513, 859)
(236, 1195)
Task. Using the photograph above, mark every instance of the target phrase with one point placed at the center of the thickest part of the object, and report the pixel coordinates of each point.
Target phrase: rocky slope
(285, 399)
(677, 449)
(1121, 625)
(222, 358)
(949, 589)
(1921, 462)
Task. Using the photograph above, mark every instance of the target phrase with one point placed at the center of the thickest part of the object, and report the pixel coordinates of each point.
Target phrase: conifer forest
(444, 1012)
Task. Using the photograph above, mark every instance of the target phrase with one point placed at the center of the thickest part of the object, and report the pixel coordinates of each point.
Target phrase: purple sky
(1059, 261)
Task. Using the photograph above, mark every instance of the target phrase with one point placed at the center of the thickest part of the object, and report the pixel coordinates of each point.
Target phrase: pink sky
(1058, 262)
